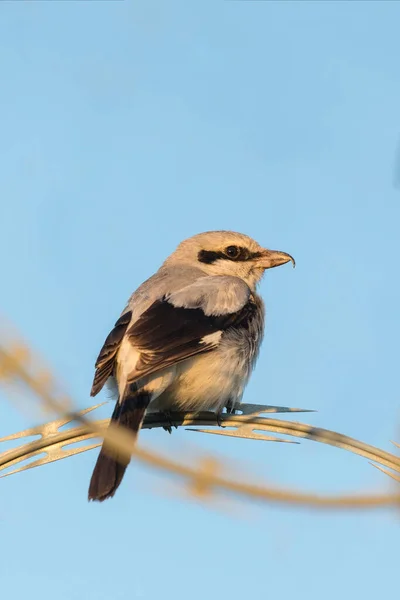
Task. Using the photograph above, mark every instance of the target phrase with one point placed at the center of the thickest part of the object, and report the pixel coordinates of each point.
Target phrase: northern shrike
(187, 339)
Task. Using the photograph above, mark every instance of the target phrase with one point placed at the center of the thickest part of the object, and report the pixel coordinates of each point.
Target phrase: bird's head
(228, 253)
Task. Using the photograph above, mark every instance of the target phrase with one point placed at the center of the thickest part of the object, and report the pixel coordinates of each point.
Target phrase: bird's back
(166, 280)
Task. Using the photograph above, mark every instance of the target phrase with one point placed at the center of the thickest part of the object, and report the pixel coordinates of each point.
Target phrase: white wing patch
(212, 338)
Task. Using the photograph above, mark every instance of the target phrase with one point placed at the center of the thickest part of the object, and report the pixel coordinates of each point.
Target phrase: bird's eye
(232, 251)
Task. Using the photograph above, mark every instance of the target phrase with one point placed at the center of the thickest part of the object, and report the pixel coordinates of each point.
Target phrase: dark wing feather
(166, 335)
(106, 359)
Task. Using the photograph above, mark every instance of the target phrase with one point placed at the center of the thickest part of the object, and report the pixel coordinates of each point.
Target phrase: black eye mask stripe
(210, 256)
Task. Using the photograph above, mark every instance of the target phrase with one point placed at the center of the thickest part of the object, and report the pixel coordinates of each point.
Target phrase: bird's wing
(152, 289)
(188, 322)
(106, 359)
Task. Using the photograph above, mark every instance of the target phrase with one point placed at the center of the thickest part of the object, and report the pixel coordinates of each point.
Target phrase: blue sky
(126, 127)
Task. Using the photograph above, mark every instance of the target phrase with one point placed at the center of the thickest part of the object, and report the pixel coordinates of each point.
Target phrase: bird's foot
(231, 408)
(171, 424)
(218, 417)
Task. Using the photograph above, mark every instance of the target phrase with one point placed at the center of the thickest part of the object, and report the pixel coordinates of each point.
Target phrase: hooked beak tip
(275, 258)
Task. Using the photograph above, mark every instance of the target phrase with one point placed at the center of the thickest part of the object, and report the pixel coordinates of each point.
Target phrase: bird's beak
(273, 258)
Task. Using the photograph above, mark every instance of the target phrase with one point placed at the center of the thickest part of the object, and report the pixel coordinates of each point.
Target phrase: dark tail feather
(110, 468)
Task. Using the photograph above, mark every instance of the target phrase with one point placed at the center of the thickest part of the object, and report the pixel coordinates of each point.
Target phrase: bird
(187, 339)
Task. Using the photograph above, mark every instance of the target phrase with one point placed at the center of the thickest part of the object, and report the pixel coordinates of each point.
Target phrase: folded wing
(180, 325)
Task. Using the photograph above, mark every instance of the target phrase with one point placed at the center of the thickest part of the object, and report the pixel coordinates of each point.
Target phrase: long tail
(109, 469)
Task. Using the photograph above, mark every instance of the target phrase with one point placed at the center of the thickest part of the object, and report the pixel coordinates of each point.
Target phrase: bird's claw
(230, 409)
(171, 424)
(218, 417)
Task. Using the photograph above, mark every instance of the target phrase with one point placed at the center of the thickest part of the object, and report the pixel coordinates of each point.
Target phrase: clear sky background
(128, 126)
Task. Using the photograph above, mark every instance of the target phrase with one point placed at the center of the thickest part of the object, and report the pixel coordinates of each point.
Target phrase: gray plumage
(187, 339)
